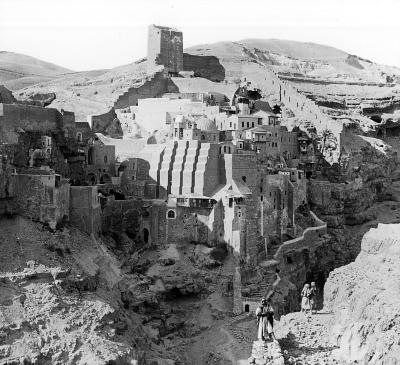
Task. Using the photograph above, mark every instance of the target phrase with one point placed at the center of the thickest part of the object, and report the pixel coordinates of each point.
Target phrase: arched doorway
(145, 235)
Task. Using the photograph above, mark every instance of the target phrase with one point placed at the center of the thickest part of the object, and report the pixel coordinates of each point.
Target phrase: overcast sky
(94, 34)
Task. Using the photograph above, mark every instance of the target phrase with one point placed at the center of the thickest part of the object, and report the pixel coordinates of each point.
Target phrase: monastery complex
(227, 171)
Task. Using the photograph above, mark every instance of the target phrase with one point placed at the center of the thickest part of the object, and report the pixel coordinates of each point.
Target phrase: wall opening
(247, 308)
(171, 214)
(145, 235)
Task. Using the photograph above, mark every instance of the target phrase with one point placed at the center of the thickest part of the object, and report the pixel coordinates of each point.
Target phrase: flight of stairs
(265, 285)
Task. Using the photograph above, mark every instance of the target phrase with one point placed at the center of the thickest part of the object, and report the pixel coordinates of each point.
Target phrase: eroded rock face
(365, 299)
(39, 99)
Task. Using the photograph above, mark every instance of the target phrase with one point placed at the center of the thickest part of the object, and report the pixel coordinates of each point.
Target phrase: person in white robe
(265, 321)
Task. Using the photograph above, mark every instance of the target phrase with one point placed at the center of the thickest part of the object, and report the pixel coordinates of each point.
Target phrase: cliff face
(365, 299)
(352, 206)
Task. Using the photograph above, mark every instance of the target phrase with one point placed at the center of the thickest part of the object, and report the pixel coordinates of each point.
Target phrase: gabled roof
(262, 105)
(235, 189)
(264, 114)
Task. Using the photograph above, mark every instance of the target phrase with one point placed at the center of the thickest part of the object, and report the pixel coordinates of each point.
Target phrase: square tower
(165, 48)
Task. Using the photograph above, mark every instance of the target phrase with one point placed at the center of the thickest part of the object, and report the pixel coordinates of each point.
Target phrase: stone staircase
(264, 287)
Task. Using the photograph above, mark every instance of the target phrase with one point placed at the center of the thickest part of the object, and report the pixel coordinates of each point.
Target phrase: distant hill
(312, 68)
(295, 49)
(297, 59)
(19, 70)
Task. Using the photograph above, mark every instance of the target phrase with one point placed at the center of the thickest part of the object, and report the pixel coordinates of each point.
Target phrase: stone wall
(6, 96)
(85, 209)
(309, 236)
(44, 198)
(192, 225)
(134, 218)
(207, 67)
(154, 86)
(28, 118)
(107, 124)
(306, 110)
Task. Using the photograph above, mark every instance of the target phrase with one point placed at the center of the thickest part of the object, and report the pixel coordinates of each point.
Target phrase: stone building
(100, 166)
(165, 48)
(42, 196)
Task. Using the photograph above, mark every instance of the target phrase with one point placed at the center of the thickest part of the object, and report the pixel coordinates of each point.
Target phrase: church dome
(206, 124)
(179, 119)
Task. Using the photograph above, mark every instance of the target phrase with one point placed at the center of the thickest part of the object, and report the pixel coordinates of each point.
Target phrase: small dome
(206, 124)
(179, 119)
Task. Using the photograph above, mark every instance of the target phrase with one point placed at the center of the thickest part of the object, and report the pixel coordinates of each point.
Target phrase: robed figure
(265, 321)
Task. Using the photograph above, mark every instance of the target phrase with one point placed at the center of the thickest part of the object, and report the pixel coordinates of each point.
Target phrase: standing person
(312, 296)
(265, 321)
(305, 298)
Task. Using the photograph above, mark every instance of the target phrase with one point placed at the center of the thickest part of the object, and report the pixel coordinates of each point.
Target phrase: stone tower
(165, 47)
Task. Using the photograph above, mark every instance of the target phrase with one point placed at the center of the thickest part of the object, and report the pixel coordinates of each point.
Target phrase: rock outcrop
(365, 299)
(266, 353)
(39, 99)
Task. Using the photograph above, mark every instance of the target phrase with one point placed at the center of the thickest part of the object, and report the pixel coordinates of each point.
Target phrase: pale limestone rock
(266, 353)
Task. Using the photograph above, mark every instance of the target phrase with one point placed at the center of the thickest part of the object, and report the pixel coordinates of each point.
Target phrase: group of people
(308, 295)
(265, 312)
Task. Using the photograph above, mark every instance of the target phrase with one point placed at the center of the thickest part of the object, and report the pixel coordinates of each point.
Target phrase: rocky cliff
(365, 299)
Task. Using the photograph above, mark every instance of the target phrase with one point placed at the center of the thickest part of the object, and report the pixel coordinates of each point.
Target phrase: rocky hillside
(365, 299)
(334, 79)
(19, 70)
(67, 298)
(359, 323)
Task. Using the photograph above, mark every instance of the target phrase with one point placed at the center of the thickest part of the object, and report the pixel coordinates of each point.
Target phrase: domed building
(206, 124)
(200, 129)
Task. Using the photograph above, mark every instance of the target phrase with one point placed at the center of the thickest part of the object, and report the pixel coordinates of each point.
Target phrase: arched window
(203, 137)
(247, 308)
(224, 149)
(171, 214)
(79, 137)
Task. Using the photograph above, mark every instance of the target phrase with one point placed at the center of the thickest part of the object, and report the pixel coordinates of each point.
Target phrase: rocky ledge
(266, 353)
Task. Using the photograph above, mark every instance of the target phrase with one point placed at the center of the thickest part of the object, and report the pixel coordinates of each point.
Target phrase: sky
(96, 34)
